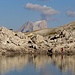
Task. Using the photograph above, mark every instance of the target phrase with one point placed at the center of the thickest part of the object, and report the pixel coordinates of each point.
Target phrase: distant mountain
(31, 26)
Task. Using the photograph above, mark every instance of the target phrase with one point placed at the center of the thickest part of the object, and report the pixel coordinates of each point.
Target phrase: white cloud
(44, 10)
(71, 13)
(48, 18)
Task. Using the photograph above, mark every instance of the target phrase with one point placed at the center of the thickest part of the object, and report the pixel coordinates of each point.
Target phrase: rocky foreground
(59, 40)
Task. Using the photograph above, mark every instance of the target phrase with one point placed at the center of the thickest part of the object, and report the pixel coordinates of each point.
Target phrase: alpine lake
(38, 65)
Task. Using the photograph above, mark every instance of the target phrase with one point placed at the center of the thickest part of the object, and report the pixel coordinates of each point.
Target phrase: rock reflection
(10, 63)
(41, 61)
(64, 63)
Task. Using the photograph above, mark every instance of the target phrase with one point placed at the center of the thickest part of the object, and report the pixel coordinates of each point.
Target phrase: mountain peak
(31, 26)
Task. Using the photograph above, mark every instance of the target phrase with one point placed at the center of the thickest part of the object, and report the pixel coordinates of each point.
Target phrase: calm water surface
(37, 65)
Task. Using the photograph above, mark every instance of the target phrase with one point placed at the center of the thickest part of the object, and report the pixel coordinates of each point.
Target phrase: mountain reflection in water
(63, 63)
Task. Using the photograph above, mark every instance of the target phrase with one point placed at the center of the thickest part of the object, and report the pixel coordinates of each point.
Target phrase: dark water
(37, 65)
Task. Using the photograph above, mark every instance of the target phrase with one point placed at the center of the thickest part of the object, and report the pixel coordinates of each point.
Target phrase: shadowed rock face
(26, 27)
(30, 26)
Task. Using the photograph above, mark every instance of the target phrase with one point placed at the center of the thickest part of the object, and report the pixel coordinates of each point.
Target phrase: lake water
(37, 65)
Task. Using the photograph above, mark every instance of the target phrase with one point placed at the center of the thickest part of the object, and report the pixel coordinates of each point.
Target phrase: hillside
(60, 40)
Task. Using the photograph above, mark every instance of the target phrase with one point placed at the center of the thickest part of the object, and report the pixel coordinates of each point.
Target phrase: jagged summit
(26, 27)
(31, 26)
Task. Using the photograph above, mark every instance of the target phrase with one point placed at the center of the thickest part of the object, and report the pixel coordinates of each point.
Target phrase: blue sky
(14, 13)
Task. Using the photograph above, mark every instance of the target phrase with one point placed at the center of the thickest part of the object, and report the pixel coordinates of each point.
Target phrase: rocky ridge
(59, 40)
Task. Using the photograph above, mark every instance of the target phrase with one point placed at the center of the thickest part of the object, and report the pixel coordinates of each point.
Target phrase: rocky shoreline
(59, 40)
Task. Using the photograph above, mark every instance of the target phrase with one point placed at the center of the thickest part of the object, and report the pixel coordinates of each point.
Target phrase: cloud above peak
(44, 10)
(70, 13)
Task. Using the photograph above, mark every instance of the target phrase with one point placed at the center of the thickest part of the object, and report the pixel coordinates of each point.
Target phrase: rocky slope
(59, 40)
(31, 26)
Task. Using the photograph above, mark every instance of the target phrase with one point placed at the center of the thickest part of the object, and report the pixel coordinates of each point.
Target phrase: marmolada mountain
(32, 26)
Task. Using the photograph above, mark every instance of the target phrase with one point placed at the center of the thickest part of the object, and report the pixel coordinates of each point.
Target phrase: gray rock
(30, 26)
(36, 42)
